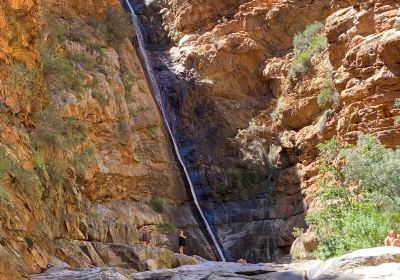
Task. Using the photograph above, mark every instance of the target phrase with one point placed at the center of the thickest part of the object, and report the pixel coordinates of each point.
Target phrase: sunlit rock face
(222, 67)
(81, 157)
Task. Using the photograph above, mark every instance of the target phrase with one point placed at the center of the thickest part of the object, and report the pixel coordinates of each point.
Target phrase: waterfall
(157, 94)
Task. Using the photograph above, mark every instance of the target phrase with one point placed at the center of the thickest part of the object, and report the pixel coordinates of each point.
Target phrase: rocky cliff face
(84, 159)
(248, 129)
(83, 152)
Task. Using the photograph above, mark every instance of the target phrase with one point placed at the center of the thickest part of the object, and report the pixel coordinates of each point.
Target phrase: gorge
(204, 118)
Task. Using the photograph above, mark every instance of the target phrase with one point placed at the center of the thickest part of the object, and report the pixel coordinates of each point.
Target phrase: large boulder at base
(372, 263)
(304, 246)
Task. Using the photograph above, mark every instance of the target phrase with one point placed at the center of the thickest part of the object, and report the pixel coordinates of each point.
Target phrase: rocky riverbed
(374, 263)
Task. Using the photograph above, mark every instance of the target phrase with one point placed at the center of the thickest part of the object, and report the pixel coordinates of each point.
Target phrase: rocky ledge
(374, 263)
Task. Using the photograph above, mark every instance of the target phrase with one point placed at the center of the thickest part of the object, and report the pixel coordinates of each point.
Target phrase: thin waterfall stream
(157, 94)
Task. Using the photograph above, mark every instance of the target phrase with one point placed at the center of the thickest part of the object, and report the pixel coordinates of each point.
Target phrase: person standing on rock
(182, 242)
(146, 235)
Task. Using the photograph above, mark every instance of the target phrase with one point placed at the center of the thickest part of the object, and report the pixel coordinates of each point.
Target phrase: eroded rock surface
(372, 263)
(82, 145)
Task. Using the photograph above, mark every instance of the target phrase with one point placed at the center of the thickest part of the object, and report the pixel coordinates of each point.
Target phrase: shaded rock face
(83, 155)
(222, 69)
(214, 85)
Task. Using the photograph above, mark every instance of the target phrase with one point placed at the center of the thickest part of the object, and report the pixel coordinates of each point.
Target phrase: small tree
(359, 192)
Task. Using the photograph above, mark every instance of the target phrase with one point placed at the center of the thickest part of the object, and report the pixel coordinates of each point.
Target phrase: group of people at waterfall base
(181, 239)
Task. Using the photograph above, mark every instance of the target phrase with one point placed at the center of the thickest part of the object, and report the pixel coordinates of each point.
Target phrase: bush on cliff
(119, 26)
(306, 45)
(157, 204)
(22, 79)
(327, 95)
(359, 192)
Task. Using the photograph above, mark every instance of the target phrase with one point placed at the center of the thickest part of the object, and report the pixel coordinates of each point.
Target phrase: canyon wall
(249, 131)
(84, 156)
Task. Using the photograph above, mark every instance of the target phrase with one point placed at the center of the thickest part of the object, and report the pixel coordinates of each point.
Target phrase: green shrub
(119, 26)
(38, 161)
(302, 41)
(297, 232)
(246, 183)
(327, 96)
(397, 24)
(276, 114)
(99, 94)
(82, 160)
(4, 195)
(157, 204)
(26, 180)
(21, 78)
(86, 60)
(397, 120)
(322, 120)
(166, 228)
(57, 171)
(56, 32)
(123, 126)
(359, 196)
(397, 102)
(4, 165)
(221, 193)
(306, 45)
(57, 132)
(57, 65)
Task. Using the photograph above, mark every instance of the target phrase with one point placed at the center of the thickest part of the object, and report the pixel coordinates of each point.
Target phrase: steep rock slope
(224, 69)
(83, 151)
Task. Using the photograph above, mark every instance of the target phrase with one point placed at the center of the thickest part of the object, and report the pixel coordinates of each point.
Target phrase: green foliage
(323, 118)
(99, 94)
(82, 160)
(397, 120)
(56, 32)
(86, 60)
(276, 114)
(372, 166)
(57, 171)
(221, 193)
(38, 161)
(119, 26)
(157, 204)
(57, 132)
(57, 65)
(397, 24)
(306, 45)
(327, 95)
(25, 180)
(22, 79)
(297, 232)
(397, 102)
(123, 126)
(4, 196)
(166, 228)
(359, 194)
(128, 80)
(242, 184)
